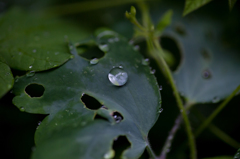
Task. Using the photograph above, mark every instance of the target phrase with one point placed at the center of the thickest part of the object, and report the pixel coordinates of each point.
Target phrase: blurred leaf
(237, 155)
(164, 21)
(30, 42)
(231, 3)
(6, 79)
(191, 5)
(209, 70)
(70, 130)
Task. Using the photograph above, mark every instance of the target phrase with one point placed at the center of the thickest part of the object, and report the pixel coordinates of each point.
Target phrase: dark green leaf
(231, 3)
(237, 155)
(31, 42)
(70, 130)
(191, 5)
(209, 70)
(6, 79)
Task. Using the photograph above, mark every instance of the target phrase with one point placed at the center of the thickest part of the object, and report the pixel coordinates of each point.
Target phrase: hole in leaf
(34, 90)
(171, 46)
(119, 145)
(117, 117)
(90, 52)
(100, 117)
(90, 102)
(206, 74)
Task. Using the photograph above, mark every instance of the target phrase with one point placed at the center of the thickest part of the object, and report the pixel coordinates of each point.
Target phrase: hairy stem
(216, 112)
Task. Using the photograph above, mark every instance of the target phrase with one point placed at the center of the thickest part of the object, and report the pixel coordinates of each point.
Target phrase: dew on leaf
(160, 87)
(94, 61)
(30, 74)
(117, 76)
(161, 110)
(110, 154)
(104, 47)
(152, 71)
(30, 66)
(22, 109)
(206, 74)
(117, 117)
(145, 62)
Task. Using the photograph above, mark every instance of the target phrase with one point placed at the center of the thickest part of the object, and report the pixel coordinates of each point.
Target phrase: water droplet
(117, 76)
(30, 74)
(94, 61)
(160, 87)
(110, 154)
(237, 156)
(136, 48)
(39, 123)
(104, 47)
(216, 99)
(117, 118)
(145, 62)
(34, 51)
(30, 66)
(206, 74)
(71, 57)
(22, 109)
(161, 110)
(152, 71)
(120, 66)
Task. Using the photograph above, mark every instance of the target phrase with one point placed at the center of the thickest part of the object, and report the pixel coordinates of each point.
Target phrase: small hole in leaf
(117, 117)
(180, 29)
(172, 49)
(206, 54)
(34, 90)
(90, 102)
(100, 117)
(90, 52)
(119, 145)
(206, 74)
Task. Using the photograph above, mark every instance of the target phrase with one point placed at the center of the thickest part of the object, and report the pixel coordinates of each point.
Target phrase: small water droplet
(161, 110)
(30, 74)
(34, 51)
(136, 48)
(152, 71)
(110, 154)
(39, 123)
(22, 109)
(120, 66)
(94, 61)
(206, 74)
(216, 99)
(117, 76)
(145, 62)
(160, 87)
(30, 66)
(104, 47)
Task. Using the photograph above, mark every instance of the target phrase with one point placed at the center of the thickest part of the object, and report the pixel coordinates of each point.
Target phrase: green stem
(216, 131)
(150, 152)
(216, 112)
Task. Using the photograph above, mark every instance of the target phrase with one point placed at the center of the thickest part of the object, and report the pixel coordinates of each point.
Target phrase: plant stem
(216, 111)
(216, 131)
(150, 152)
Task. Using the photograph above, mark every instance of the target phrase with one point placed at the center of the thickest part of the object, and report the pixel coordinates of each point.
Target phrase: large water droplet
(145, 62)
(104, 47)
(117, 76)
(22, 109)
(216, 99)
(94, 61)
(30, 74)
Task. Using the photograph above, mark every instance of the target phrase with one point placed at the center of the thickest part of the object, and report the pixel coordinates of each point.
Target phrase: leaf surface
(191, 5)
(70, 130)
(31, 42)
(6, 79)
(209, 70)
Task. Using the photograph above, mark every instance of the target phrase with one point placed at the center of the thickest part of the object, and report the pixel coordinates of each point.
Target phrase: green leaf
(164, 21)
(6, 79)
(231, 3)
(191, 5)
(31, 42)
(70, 130)
(209, 69)
(237, 155)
